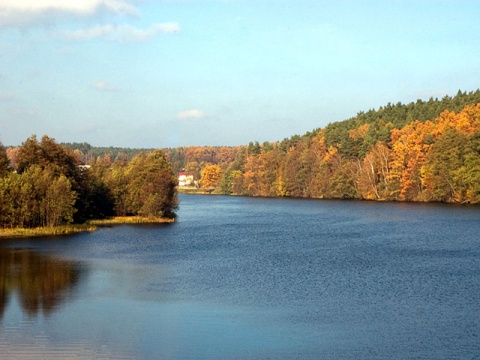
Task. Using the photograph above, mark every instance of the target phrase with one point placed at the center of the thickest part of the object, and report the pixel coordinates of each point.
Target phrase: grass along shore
(46, 231)
(92, 225)
(117, 220)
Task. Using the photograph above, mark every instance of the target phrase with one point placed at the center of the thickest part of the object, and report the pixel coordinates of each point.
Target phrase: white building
(185, 179)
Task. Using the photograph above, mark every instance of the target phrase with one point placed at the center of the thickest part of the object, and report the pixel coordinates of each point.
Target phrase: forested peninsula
(44, 185)
(426, 151)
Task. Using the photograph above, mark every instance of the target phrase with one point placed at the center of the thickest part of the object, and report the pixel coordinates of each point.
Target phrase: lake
(251, 278)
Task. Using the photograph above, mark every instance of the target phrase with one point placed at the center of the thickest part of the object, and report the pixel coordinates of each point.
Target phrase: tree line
(45, 184)
(89, 153)
(422, 151)
(435, 160)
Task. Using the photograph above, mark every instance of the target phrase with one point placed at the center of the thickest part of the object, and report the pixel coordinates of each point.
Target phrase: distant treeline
(89, 153)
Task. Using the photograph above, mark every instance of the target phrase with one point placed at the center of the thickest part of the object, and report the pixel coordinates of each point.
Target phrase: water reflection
(41, 283)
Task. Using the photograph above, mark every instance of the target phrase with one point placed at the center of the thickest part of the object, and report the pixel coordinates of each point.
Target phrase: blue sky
(146, 73)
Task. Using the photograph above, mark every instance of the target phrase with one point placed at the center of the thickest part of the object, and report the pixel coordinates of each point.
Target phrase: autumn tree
(210, 176)
(374, 172)
(94, 197)
(151, 186)
(453, 162)
(260, 173)
(9, 196)
(37, 197)
(342, 181)
(4, 161)
(117, 182)
(445, 159)
(47, 152)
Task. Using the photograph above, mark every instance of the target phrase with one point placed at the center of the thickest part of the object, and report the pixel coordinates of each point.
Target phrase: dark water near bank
(250, 278)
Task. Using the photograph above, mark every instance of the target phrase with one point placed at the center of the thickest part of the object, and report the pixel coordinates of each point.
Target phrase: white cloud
(130, 33)
(90, 33)
(104, 85)
(121, 33)
(190, 114)
(25, 12)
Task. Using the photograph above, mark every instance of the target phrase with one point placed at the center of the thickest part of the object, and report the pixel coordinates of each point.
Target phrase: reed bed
(46, 231)
(92, 225)
(117, 220)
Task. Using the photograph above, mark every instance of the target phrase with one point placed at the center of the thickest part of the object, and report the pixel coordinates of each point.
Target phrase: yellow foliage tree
(210, 176)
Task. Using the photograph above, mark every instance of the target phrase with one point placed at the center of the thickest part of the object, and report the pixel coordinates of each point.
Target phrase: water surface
(246, 278)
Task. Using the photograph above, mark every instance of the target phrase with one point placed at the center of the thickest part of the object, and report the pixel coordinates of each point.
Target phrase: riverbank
(194, 190)
(76, 228)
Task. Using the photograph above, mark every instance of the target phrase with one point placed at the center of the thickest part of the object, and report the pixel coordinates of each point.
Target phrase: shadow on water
(41, 283)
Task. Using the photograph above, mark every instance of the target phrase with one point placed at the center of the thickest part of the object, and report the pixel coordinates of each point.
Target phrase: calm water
(250, 278)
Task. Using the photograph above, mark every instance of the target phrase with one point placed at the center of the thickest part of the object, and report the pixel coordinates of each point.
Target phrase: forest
(44, 184)
(426, 151)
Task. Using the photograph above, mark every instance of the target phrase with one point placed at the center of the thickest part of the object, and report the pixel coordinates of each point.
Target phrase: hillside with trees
(422, 151)
(44, 184)
(426, 151)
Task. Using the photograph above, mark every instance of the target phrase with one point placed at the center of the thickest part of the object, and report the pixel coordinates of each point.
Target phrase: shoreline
(92, 225)
(193, 191)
